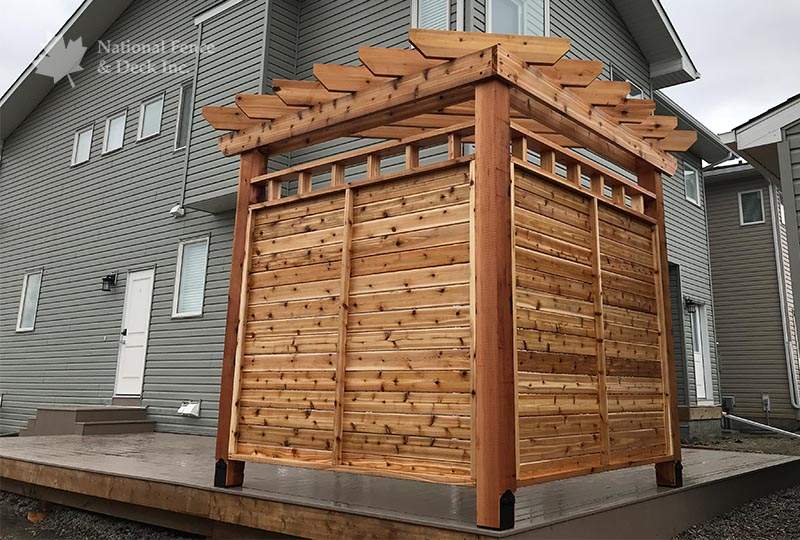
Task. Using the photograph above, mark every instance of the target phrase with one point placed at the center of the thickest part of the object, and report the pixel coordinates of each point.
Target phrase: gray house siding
(237, 33)
(747, 301)
(112, 213)
(107, 215)
(687, 246)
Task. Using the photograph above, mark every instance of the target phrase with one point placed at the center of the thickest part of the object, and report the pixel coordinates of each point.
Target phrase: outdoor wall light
(109, 281)
(691, 304)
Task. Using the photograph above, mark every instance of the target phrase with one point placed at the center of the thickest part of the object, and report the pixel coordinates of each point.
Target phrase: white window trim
(124, 114)
(90, 129)
(175, 146)
(741, 212)
(702, 314)
(175, 314)
(142, 105)
(546, 16)
(686, 167)
(20, 328)
(415, 13)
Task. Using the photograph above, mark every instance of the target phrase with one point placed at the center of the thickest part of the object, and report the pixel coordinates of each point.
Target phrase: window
(115, 132)
(29, 301)
(433, 14)
(691, 180)
(530, 17)
(184, 115)
(82, 145)
(751, 207)
(150, 117)
(190, 278)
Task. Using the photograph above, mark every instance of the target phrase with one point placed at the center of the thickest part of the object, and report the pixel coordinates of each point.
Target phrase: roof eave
(90, 20)
(708, 147)
(651, 27)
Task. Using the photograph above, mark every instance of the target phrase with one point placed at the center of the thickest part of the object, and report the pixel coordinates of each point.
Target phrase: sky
(747, 51)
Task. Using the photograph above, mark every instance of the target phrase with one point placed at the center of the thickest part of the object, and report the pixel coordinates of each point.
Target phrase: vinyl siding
(107, 215)
(746, 297)
(237, 33)
(687, 246)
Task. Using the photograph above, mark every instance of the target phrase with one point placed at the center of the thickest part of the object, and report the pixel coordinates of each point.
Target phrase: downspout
(191, 116)
(787, 346)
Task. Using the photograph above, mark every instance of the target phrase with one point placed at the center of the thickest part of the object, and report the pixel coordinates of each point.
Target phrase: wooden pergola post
(495, 419)
(668, 473)
(253, 163)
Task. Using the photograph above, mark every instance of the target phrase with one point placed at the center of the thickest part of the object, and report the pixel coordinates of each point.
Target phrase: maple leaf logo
(62, 60)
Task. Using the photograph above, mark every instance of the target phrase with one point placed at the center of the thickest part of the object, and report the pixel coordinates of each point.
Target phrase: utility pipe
(760, 425)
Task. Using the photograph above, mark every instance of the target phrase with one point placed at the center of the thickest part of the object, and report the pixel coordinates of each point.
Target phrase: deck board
(187, 460)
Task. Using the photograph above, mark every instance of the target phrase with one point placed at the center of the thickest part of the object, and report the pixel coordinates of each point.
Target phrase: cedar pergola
(556, 358)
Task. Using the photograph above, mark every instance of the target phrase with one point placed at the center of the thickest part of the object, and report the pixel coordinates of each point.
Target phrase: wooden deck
(170, 474)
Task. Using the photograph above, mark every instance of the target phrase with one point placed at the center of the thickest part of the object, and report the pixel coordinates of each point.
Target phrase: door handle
(124, 332)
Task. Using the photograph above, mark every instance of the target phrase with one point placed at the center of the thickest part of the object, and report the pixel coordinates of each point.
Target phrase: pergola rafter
(439, 63)
(412, 267)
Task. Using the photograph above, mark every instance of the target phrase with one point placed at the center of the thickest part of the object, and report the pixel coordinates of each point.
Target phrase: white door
(699, 337)
(133, 335)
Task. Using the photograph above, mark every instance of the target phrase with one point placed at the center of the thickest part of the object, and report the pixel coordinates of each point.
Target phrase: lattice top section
(400, 93)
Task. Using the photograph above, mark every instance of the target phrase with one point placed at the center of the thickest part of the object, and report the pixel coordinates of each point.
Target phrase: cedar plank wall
(747, 302)
(407, 385)
(559, 384)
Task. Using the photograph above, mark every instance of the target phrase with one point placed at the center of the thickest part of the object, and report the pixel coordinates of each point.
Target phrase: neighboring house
(755, 252)
(134, 229)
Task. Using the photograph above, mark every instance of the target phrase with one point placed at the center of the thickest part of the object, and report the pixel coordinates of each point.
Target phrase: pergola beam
(406, 97)
(560, 109)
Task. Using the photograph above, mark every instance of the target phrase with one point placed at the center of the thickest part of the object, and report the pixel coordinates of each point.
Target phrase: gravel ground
(775, 517)
(752, 442)
(22, 518)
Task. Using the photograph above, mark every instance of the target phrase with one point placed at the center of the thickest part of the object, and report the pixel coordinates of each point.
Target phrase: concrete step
(29, 429)
(88, 419)
(114, 427)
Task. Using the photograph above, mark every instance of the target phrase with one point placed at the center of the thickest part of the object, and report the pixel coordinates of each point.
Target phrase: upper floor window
(691, 181)
(82, 145)
(29, 301)
(190, 278)
(184, 115)
(751, 207)
(433, 14)
(531, 17)
(115, 132)
(150, 117)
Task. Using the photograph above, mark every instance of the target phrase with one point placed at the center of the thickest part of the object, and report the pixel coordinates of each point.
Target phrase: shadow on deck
(166, 479)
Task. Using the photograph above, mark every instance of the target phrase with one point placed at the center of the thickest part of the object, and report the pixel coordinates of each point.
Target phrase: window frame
(760, 192)
(124, 114)
(75, 137)
(161, 96)
(415, 13)
(25, 277)
(175, 147)
(179, 268)
(488, 22)
(689, 167)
